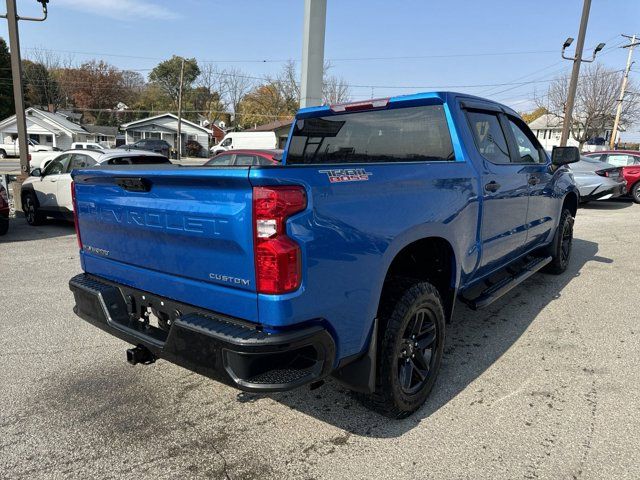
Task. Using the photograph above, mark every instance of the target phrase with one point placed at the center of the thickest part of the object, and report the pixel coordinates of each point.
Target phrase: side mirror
(564, 155)
(36, 172)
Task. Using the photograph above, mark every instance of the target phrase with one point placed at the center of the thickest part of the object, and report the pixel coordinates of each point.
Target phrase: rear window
(219, 161)
(413, 134)
(139, 160)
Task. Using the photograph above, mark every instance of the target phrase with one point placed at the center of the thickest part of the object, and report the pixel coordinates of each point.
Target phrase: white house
(548, 129)
(46, 128)
(165, 127)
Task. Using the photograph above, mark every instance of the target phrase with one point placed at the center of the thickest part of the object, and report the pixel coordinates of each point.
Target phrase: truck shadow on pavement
(475, 340)
(614, 204)
(21, 231)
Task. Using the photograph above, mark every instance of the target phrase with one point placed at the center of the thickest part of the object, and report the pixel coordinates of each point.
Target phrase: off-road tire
(31, 213)
(397, 316)
(560, 248)
(635, 192)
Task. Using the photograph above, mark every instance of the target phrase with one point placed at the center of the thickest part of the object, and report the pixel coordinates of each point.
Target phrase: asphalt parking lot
(544, 383)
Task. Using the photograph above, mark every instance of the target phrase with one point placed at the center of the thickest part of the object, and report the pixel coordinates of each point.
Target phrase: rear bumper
(604, 192)
(230, 350)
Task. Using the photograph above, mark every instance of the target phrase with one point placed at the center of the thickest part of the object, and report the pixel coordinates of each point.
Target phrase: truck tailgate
(185, 233)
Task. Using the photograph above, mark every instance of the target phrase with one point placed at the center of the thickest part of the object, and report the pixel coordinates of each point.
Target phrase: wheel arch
(430, 259)
(571, 202)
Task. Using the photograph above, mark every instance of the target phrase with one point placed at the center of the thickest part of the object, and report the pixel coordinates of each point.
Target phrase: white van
(246, 140)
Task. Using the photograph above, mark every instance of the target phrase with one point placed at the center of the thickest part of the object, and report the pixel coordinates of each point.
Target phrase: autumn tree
(266, 103)
(7, 107)
(529, 117)
(166, 75)
(96, 88)
(595, 102)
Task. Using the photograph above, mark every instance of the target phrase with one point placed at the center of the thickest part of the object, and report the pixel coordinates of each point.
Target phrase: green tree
(166, 75)
(7, 107)
(40, 87)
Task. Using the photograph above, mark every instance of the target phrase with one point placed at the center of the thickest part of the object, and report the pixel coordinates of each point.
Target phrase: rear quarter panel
(351, 232)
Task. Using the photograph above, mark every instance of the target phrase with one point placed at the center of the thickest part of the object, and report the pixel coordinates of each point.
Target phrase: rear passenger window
(243, 160)
(413, 134)
(489, 137)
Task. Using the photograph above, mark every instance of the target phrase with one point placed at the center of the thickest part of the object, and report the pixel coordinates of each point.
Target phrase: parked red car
(238, 158)
(629, 162)
(4, 211)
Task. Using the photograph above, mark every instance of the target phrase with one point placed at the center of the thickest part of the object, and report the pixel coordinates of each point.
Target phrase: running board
(497, 290)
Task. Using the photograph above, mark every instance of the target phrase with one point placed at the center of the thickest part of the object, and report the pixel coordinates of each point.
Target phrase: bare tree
(334, 89)
(209, 87)
(595, 103)
(235, 84)
(55, 64)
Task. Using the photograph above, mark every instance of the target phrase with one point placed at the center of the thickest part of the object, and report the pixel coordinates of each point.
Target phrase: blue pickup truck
(346, 260)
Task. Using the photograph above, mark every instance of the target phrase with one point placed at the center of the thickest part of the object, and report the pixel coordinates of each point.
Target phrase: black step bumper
(230, 350)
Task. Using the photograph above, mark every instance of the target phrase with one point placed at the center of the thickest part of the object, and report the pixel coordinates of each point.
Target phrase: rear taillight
(277, 257)
(75, 213)
(602, 173)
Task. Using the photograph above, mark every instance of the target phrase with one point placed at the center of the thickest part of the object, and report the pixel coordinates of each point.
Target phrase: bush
(193, 148)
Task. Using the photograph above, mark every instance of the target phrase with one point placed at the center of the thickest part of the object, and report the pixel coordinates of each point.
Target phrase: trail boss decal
(347, 175)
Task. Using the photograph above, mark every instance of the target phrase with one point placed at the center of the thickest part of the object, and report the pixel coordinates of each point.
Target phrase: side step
(498, 289)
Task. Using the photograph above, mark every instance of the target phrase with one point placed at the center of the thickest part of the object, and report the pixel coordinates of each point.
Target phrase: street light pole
(315, 19)
(18, 96)
(16, 75)
(577, 60)
(625, 78)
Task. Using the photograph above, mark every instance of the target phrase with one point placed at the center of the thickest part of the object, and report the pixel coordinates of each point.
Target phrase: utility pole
(625, 78)
(575, 73)
(16, 75)
(315, 19)
(179, 156)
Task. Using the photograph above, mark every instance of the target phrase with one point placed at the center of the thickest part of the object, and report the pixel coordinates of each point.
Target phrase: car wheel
(31, 213)
(411, 342)
(4, 226)
(3, 154)
(560, 249)
(635, 192)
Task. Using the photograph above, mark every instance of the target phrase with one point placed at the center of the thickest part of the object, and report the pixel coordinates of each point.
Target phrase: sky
(508, 50)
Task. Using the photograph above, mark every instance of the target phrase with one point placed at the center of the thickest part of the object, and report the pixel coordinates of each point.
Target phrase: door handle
(492, 186)
(533, 180)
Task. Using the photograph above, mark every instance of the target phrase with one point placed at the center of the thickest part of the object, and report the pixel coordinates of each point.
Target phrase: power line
(336, 59)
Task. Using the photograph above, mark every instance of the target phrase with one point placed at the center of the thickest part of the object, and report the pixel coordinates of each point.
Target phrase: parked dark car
(239, 158)
(4, 211)
(158, 146)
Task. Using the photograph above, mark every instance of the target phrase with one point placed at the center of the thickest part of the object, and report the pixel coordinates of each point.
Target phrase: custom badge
(347, 175)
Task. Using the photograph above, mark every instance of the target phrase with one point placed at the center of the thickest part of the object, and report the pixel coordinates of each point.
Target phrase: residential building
(548, 129)
(46, 128)
(165, 127)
